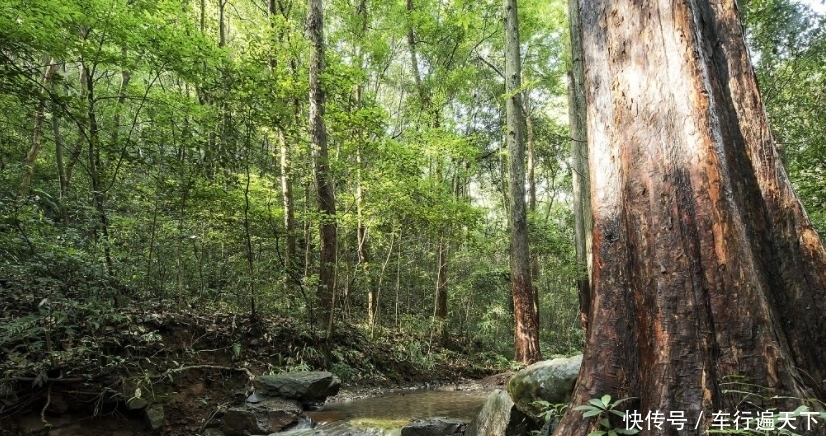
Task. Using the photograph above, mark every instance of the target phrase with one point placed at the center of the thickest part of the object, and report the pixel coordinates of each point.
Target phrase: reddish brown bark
(525, 307)
(705, 264)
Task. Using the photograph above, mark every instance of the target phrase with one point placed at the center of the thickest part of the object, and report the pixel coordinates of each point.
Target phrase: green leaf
(598, 403)
(621, 414)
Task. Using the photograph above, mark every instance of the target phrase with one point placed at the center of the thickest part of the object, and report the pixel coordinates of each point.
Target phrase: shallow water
(406, 405)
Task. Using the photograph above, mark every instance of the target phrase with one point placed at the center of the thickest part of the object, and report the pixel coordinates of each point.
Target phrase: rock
(255, 398)
(499, 417)
(136, 403)
(265, 417)
(434, 427)
(308, 387)
(212, 432)
(549, 380)
(155, 417)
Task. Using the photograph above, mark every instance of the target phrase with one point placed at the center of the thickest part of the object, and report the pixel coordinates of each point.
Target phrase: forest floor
(67, 359)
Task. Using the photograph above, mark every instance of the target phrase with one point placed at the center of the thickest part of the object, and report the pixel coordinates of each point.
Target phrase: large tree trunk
(526, 329)
(706, 265)
(579, 162)
(324, 187)
(530, 139)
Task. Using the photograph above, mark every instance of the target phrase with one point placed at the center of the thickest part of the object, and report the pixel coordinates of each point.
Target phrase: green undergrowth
(146, 349)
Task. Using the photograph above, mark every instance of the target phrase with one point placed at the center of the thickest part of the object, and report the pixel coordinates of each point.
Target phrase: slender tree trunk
(363, 247)
(63, 182)
(579, 163)
(61, 166)
(202, 22)
(125, 77)
(77, 151)
(325, 294)
(706, 265)
(526, 329)
(440, 303)
(440, 309)
(361, 231)
(307, 229)
(414, 57)
(222, 30)
(37, 131)
(398, 278)
(287, 198)
(95, 165)
(289, 211)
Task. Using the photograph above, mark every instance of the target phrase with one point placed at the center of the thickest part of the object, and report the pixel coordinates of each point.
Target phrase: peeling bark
(705, 264)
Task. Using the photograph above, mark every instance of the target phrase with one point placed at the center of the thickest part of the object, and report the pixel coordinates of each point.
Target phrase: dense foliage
(152, 152)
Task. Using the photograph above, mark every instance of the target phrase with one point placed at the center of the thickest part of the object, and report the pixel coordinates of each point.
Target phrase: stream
(386, 414)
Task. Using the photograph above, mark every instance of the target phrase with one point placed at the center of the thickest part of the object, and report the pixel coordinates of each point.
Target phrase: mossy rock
(549, 380)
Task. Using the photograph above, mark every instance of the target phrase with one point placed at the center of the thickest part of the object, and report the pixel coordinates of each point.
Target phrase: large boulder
(265, 417)
(549, 380)
(434, 427)
(499, 417)
(308, 387)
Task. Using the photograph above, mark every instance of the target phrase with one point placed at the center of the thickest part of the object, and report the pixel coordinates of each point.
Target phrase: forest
(397, 192)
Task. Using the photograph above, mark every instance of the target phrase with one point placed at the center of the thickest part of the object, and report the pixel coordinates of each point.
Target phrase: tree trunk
(285, 164)
(526, 329)
(361, 231)
(95, 167)
(424, 97)
(289, 214)
(61, 166)
(440, 309)
(531, 144)
(37, 132)
(440, 300)
(579, 163)
(222, 30)
(325, 293)
(361, 239)
(706, 265)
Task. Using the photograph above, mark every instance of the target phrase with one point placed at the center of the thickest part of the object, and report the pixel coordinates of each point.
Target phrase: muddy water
(406, 405)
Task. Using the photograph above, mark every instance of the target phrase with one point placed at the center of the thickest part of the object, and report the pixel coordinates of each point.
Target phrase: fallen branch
(50, 380)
